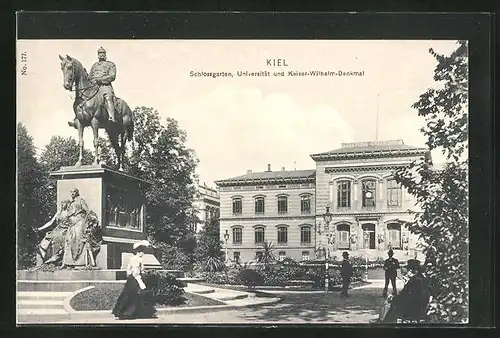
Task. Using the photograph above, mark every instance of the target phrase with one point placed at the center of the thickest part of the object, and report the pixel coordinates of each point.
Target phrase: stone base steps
(31, 304)
(61, 285)
(232, 299)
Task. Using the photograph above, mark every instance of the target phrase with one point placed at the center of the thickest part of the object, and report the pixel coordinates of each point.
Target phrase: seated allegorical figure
(74, 240)
(52, 245)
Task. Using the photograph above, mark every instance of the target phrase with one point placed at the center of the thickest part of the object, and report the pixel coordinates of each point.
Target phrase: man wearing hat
(391, 266)
(411, 304)
(346, 273)
(103, 73)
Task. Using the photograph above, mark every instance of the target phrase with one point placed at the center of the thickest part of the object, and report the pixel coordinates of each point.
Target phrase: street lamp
(327, 217)
(226, 238)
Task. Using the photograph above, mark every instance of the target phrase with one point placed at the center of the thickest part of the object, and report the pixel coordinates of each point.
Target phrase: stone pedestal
(118, 200)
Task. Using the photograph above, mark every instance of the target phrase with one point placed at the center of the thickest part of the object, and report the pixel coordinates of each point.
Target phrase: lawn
(104, 298)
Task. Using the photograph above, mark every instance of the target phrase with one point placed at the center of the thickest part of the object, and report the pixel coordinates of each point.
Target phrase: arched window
(282, 204)
(305, 235)
(237, 205)
(393, 193)
(344, 194)
(369, 189)
(394, 235)
(343, 235)
(282, 235)
(259, 205)
(237, 235)
(259, 235)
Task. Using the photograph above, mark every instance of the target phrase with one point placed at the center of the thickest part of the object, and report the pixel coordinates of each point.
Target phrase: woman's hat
(142, 243)
(345, 254)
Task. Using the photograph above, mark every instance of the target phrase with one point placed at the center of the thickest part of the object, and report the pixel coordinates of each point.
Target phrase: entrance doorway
(368, 236)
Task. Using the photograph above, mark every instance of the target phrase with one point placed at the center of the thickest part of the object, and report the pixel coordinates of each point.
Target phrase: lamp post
(327, 217)
(226, 238)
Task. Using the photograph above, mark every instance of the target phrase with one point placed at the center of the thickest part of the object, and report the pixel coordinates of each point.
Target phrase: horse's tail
(130, 131)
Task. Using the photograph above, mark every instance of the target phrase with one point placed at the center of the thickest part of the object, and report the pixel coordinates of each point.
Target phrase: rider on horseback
(103, 73)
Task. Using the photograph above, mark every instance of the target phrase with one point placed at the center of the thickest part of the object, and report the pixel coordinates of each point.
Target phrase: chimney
(269, 167)
(282, 168)
(249, 171)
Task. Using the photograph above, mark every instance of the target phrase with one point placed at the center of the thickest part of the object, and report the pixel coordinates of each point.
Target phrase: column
(355, 194)
(331, 201)
(380, 189)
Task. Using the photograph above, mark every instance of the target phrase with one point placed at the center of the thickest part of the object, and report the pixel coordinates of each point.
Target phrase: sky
(239, 123)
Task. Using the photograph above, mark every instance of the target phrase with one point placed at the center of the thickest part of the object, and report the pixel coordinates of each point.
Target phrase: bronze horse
(90, 111)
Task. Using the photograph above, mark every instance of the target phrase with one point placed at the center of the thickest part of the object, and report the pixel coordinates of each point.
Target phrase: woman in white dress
(131, 303)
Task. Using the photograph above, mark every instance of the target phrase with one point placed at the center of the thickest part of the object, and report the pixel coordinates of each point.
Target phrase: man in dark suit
(346, 273)
(391, 266)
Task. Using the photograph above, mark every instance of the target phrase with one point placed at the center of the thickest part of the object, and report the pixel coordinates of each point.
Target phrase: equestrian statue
(96, 105)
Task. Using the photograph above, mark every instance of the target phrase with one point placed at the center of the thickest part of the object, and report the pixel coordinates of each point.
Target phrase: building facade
(369, 210)
(273, 206)
(206, 205)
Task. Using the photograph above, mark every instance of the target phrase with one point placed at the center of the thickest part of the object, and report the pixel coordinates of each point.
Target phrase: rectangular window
(394, 238)
(344, 194)
(259, 205)
(305, 255)
(305, 235)
(259, 235)
(394, 194)
(305, 204)
(237, 206)
(236, 256)
(282, 235)
(281, 255)
(343, 241)
(282, 205)
(237, 236)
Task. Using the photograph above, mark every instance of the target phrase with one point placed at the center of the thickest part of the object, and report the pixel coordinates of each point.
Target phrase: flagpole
(376, 130)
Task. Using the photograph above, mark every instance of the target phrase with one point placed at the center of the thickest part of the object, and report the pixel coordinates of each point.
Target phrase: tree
(30, 184)
(159, 155)
(59, 152)
(107, 154)
(268, 258)
(209, 254)
(62, 152)
(442, 194)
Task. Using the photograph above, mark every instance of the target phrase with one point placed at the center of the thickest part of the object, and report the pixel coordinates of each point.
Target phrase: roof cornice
(369, 154)
(274, 180)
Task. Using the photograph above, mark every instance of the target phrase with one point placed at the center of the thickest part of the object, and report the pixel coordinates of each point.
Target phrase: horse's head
(70, 72)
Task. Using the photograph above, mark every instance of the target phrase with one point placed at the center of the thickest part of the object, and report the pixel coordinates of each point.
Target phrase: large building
(369, 209)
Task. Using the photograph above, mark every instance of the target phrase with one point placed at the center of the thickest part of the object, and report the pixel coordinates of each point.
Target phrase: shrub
(165, 288)
(250, 277)
(276, 275)
(230, 277)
